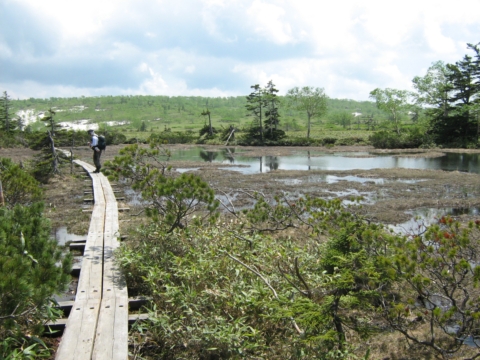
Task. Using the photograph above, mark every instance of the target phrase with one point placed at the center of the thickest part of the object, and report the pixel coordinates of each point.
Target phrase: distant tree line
(446, 105)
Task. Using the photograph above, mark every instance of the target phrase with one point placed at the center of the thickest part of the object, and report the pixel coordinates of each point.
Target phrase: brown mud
(388, 201)
(388, 194)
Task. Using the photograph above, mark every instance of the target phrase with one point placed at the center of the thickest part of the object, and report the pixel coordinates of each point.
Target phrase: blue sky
(65, 48)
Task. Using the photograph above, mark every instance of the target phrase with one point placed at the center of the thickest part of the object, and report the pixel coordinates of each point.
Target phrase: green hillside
(183, 113)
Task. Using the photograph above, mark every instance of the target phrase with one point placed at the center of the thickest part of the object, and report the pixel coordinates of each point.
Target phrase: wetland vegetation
(310, 246)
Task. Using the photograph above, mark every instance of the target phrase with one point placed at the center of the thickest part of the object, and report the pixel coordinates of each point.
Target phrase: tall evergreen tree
(5, 117)
(49, 119)
(256, 104)
(450, 94)
(464, 93)
(272, 116)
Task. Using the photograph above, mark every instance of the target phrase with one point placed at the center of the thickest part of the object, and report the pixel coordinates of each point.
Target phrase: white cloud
(190, 69)
(156, 84)
(270, 22)
(76, 19)
(438, 42)
(219, 46)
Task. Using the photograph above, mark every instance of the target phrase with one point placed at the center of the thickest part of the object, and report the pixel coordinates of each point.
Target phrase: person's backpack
(102, 142)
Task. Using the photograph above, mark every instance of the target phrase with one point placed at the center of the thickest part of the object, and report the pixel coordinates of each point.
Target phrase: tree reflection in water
(208, 156)
(228, 154)
(272, 162)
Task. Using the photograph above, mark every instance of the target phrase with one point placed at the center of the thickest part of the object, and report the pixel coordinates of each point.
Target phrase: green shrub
(413, 138)
(205, 130)
(328, 141)
(19, 188)
(174, 137)
(32, 269)
(350, 141)
(299, 141)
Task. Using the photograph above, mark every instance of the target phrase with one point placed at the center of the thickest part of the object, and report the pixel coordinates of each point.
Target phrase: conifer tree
(5, 117)
(19, 188)
(32, 266)
(49, 119)
(256, 104)
(272, 116)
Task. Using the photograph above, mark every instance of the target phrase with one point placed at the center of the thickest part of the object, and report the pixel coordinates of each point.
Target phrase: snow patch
(29, 116)
(85, 124)
(117, 123)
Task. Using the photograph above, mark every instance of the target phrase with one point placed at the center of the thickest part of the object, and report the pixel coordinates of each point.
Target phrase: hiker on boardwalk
(96, 150)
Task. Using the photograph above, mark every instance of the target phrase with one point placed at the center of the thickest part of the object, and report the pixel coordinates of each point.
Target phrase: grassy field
(160, 113)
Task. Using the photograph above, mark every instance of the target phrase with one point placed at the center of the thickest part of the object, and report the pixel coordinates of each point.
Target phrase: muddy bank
(388, 195)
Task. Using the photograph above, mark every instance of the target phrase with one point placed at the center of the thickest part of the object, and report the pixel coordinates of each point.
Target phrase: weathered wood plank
(101, 286)
(78, 246)
(137, 317)
(90, 281)
(59, 325)
(134, 303)
(111, 341)
(79, 336)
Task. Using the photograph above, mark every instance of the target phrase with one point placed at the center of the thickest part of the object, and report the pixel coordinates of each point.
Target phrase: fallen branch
(233, 212)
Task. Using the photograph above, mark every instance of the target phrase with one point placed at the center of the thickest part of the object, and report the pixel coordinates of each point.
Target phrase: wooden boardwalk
(97, 327)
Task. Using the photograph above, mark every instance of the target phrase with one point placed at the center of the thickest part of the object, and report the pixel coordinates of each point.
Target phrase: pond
(424, 217)
(315, 160)
(62, 235)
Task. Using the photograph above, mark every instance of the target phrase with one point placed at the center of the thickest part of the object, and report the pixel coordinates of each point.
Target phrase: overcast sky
(65, 48)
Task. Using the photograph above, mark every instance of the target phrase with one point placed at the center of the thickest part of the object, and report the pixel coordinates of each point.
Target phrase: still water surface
(305, 160)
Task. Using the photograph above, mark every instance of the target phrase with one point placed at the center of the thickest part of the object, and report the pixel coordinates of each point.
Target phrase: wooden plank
(101, 285)
(111, 341)
(56, 326)
(90, 280)
(79, 241)
(80, 329)
(112, 334)
(59, 325)
(76, 269)
(77, 246)
(132, 318)
(134, 303)
(79, 336)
